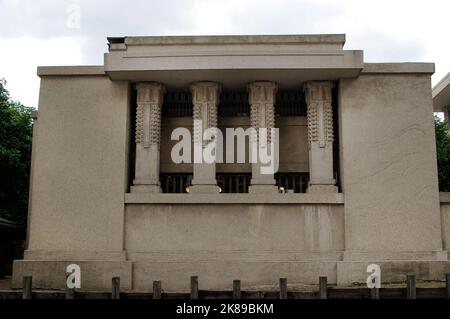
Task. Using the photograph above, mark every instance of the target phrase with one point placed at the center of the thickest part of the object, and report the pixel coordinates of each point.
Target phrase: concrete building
(441, 97)
(357, 166)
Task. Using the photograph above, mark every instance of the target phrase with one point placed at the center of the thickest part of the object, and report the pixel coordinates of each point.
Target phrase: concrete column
(148, 130)
(320, 136)
(262, 96)
(205, 99)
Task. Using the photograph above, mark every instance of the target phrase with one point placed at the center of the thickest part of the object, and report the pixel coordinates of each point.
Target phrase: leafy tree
(15, 157)
(443, 154)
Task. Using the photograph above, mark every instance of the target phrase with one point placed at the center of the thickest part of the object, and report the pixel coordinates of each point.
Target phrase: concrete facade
(441, 97)
(366, 142)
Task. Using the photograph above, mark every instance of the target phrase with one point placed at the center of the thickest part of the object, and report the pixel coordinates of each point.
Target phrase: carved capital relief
(148, 113)
(205, 99)
(262, 97)
(320, 113)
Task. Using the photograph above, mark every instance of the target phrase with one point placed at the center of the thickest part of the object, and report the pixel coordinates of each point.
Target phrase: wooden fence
(324, 292)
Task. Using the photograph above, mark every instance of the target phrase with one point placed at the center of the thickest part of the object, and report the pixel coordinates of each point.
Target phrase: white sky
(35, 32)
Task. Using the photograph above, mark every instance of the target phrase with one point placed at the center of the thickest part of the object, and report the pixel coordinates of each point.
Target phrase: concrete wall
(257, 243)
(234, 227)
(80, 212)
(80, 165)
(388, 160)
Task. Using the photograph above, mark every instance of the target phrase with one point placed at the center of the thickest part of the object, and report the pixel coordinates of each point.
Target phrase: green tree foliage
(443, 154)
(15, 157)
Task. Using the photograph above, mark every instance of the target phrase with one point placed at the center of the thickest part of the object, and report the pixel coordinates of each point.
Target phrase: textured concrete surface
(389, 211)
(80, 164)
(388, 164)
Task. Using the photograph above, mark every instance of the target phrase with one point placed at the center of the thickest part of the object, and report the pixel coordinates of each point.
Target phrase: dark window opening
(290, 103)
(293, 182)
(175, 182)
(234, 103)
(177, 104)
(234, 182)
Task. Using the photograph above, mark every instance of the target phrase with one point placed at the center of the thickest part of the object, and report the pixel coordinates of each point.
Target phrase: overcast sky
(41, 32)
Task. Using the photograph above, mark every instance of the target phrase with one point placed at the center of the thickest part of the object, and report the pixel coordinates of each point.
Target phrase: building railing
(177, 183)
(292, 182)
(234, 183)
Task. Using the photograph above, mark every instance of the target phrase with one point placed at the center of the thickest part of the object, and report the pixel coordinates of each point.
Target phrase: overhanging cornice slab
(177, 61)
(287, 70)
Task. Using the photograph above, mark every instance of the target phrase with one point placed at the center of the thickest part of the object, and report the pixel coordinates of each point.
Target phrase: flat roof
(230, 39)
(441, 94)
(71, 70)
(399, 68)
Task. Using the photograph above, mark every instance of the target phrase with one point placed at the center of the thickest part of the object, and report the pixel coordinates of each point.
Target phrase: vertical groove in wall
(336, 157)
(132, 136)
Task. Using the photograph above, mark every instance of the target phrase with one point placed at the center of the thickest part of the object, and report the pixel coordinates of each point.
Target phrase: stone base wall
(219, 243)
(96, 275)
(233, 228)
(219, 275)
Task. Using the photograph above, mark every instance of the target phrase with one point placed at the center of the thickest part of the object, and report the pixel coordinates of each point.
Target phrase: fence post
(236, 289)
(447, 284)
(375, 293)
(115, 294)
(410, 287)
(194, 287)
(70, 293)
(27, 284)
(283, 288)
(157, 289)
(323, 287)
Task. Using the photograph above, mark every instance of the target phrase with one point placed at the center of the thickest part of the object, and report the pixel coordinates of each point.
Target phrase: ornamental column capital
(205, 92)
(318, 91)
(150, 93)
(262, 92)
